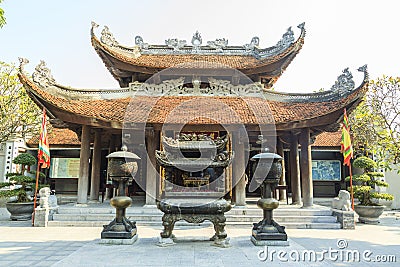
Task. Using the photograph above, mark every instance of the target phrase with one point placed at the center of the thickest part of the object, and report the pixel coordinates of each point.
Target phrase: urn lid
(123, 154)
(266, 155)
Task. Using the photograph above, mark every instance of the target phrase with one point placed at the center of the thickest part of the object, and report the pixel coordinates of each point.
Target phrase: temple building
(201, 92)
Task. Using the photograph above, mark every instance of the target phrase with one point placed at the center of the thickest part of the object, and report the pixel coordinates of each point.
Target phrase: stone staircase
(97, 215)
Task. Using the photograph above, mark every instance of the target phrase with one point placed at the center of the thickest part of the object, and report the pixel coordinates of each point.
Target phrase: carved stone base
(277, 243)
(119, 230)
(116, 241)
(263, 231)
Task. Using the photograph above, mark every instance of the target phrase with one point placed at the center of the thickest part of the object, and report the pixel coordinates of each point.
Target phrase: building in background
(211, 89)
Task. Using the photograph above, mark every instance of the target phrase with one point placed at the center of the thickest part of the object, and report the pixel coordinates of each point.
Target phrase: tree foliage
(19, 115)
(22, 183)
(364, 184)
(375, 124)
(2, 17)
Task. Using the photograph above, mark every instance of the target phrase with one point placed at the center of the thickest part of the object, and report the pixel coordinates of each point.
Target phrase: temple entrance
(194, 162)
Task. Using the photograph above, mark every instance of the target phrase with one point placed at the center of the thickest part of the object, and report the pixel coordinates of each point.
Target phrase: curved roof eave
(109, 112)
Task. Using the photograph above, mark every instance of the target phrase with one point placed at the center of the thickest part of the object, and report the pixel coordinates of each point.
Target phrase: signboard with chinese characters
(64, 168)
(326, 170)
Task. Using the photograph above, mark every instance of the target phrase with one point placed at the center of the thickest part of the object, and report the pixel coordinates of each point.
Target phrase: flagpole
(351, 188)
(35, 196)
(44, 163)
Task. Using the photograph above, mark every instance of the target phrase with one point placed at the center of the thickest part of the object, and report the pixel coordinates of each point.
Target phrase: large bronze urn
(267, 169)
(122, 167)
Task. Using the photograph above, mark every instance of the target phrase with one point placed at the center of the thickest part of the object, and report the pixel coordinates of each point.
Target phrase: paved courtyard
(23, 245)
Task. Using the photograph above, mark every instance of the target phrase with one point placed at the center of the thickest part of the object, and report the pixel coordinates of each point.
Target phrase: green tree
(375, 124)
(364, 184)
(2, 17)
(24, 184)
(19, 115)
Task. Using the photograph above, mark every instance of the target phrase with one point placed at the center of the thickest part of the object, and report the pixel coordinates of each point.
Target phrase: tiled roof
(190, 109)
(58, 137)
(328, 139)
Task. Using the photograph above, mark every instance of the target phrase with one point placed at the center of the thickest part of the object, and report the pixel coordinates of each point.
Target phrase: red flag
(346, 147)
(44, 150)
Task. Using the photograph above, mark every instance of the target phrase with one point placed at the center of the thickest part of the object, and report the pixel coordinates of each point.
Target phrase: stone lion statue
(44, 194)
(342, 201)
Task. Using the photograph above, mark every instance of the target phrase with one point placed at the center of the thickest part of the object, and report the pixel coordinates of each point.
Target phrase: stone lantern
(267, 172)
(122, 167)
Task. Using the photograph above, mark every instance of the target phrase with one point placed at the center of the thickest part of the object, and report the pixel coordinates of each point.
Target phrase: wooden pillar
(238, 170)
(111, 148)
(306, 168)
(282, 180)
(83, 182)
(96, 165)
(151, 171)
(295, 170)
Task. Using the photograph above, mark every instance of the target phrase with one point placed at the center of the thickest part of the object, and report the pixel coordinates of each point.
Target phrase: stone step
(83, 210)
(235, 211)
(182, 224)
(296, 219)
(282, 212)
(99, 215)
(158, 217)
(105, 217)
(138, 223)
(294, 225)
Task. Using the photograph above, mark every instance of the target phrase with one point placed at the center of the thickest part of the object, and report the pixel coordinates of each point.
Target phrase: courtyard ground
(368, 245)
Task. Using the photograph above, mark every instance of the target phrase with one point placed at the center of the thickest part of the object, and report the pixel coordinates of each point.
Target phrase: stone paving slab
(192, 251)
(23, 245)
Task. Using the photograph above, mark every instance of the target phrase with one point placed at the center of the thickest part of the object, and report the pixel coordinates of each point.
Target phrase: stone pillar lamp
(267, 172)
(122, 167)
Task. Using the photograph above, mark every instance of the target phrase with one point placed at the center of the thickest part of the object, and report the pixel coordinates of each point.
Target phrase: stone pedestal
(345, 218)
(41, 217)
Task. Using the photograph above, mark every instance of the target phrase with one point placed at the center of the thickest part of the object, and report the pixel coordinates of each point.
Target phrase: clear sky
(340, 34)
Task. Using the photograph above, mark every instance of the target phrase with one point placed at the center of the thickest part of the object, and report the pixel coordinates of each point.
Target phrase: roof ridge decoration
(216, 47)
(107, 37)
(175, 87)
(175, 43)
(42, 75)
(196, 41)
(344, 82)
(22, 62)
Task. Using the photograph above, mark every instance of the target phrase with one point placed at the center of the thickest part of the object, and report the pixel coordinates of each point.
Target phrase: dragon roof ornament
(42, 75)
(175, 43)
(107, 37)
(218, 46)
(345, 82)
(22, 63)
